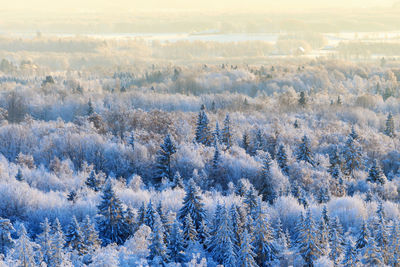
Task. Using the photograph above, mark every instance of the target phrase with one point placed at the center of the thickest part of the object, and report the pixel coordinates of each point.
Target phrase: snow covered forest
(291, 163)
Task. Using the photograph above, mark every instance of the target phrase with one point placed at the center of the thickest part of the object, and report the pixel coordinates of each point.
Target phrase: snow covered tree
(350, 256)
(192, 204)
(203, 134)
(158, 252)
(58, 257)
(246, 142)
(267, 187)
(149, 216)
(250, 201)
(164, 157)
(141, 215)
(304, 151)
(373, 254)
(324, 195)
(323, 236)
(217, 133)
(394, 245)
(92, 182)
(222, 238)
(352, 155)
(25, 251)
(226, 132)
(335, 161)
(302, 99)
(189, 231)
(381, 234)
(19, 177)
(353, 134)
(363, 236)
(90, 235)
(111, 218)
(6, 241)
(258, 142)
(45, 242)
(74, 237)
(90, 109)
(176, 244)
(335, 246)
(263, 239)
(246, 252)
(307, 240)
(72, 196)
(178, 181)
(281, 158)
(217, 172)
(389, 130)
(375, 174)
(131, 140)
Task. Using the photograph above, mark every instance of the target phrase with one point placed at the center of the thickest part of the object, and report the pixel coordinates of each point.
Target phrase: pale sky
(186, 5)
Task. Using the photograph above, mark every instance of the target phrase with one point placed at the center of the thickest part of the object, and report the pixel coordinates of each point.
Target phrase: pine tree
(158, 251)
(302, 99)
(19, 176)
(263, 239)
(246, 142)
(323, 236)
(203, 134)
(389, 130)
(214, 227)
(176, 244)
(45, 242)
(141, 214)
(192, 204)
(164, 157)
(304, 151)
(363, 236)
(150, 215)
(381, 235)
(281, 158)
(237, 229)
(375, 174)
(74, 237)
(6, 242)
(111, 218)
(353, 134)
(90, 235)
(178, 181)
(226, 132)
(92, 181)
(25, 250)
(350, 256)
(246, 253)
(130, 220)
(250, 201)
(335, 161)
(217, 172)
(229, 256)
(296, 124)
(339, 101)
(58, 242)
(258, 142)
(324, 195)
(308, 243)
(394, 246)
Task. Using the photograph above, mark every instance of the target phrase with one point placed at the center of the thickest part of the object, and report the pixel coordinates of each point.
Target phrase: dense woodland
(290, 163)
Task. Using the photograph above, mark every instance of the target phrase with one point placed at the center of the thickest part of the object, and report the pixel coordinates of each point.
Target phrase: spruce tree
(375, 174)
(141, 215)
(131, 140)
(335, 161)
(350, 256)
(45, 242)
(189, 231)
(90, 235)
(258, 142)
(25, 250)
(222, 238)
(394, 245)
(302, 99)
(111, 218)
(158, 252)
(323, 237)
(281, 158)
(19, 177)
(304, 151)
(324, 195)
(246, 252)
(363, 236)
(250, 201)
(263, 239)
(90, 109)
(246, 142)
(373, 254)
(226, 132)
(92, 182)
(267, 187)
(74, 237)
(203, 133)
(58, 242)
(335, 246)
(389, 130)
(164, 157)
(192, 205)
(150, 215)
(217, 133)
(6, 241)
(352, 155)
(176, 244)
(308, 243)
